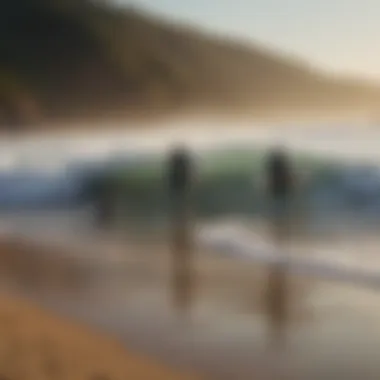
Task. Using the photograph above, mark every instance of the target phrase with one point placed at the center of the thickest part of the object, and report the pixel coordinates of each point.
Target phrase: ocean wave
(229, 182)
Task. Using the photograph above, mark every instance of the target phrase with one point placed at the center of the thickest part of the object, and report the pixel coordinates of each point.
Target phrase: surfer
(280, 180)
(280, 189)
(179, 172)
(180, 178)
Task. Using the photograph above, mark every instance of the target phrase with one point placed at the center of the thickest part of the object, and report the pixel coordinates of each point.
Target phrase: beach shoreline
(123, 289)
(37, 344)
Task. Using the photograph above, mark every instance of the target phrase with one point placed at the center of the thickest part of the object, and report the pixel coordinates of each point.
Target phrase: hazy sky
(342, 35)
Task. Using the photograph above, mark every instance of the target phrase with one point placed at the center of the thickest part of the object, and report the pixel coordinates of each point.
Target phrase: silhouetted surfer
(280, 176)
(180, 172)
(180, 177)
(280, 189)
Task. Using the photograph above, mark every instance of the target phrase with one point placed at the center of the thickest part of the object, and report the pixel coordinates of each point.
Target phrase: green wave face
(228, 182)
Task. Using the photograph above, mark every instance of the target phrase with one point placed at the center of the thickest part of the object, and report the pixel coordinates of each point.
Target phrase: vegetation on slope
(74, 59)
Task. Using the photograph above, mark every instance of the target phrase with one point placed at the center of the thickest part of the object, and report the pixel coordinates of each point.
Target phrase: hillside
(64, 60)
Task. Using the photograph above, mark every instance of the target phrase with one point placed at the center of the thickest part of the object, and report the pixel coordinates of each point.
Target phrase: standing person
(180, 180)
(280, 190)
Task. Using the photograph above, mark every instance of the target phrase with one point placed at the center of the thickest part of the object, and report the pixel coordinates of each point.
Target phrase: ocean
(337, 167)
(339, 204)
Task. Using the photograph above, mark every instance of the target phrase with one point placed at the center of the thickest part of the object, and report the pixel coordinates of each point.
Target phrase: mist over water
(348, 140)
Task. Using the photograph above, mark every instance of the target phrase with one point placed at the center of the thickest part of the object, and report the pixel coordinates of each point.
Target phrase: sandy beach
(132, 301)
(123, 289)
(119, 283)
(36, 344)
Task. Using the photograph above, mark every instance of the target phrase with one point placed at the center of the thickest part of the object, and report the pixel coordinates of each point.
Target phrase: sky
(337, 35)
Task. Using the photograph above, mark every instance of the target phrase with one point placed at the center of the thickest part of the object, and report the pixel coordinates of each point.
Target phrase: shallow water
(122, 286)
(118, 283)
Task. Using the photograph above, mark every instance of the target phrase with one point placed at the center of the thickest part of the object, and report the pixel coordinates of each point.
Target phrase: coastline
(36, 344)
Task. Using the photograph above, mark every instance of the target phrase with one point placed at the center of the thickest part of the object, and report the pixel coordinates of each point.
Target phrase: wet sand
(38, 345)
(131, 299)
(123, 289)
